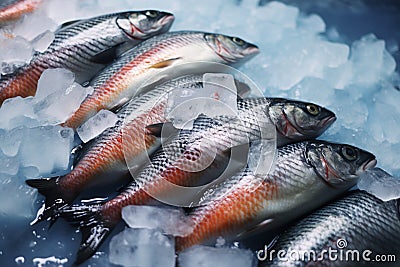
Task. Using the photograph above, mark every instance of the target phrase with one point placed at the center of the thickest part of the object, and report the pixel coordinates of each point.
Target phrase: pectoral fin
(107, 56)
(68, 23)
(163, 129)
(165, 63)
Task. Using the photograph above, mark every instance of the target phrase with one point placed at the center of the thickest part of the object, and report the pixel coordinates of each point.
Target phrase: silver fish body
(85, 47)
(356, 223)
(182, 161)
(296, 185)
(129, 75)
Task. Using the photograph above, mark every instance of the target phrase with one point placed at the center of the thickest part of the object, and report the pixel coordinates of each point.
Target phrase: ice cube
(42, 42)
(8, 165)
(96, 125)
(10, 141)
(371, 61)
(169, 221)
(53, 81)
(380, 184)
(16, 198)
(142, 247)
(16, 112)
(59, 106)
(312, 23)
(47, 148)
(15, 53)
(217, 97)
(33, 25)
(203, 256)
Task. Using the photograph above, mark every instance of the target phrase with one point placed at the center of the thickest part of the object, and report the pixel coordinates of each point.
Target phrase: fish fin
(68, 23)
(55, 199)
(120, 105)
(107, 56)
(92, 227)
(256, 229)
(164, 63)
(398, 207)
(162, 129)
(243, 90)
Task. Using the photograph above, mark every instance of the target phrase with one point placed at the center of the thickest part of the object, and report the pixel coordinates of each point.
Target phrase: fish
(85, 47)
(305, 176)
(105, 156)
(180, 161)
(13, 10)
(130, 74)
(356, 223)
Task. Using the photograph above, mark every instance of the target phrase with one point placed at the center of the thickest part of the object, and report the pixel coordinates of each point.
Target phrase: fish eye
(151, 13)
(238, 41)
(313, 109)
(349, 153)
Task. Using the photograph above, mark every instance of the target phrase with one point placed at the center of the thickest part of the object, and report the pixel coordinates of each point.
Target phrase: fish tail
(92, 226)
(55, 201)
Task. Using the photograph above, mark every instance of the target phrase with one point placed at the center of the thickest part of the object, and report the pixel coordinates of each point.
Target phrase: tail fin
(93, 228)
(55, 201)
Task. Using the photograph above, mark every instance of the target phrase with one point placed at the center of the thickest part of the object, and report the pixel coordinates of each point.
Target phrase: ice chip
(380, 184)
(169, 221)
(33, 25)
(9, 165)
(53, 81)
(47, 148)
(42, 42)
(312, 23)
(16, 112)
(217, 97)
(20, 205)
(142, 247)
(96, 125)
(372, 62)
(15, 53)
(203, 256)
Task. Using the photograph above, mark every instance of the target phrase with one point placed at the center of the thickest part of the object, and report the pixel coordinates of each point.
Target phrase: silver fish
(85, 47)
(179, 162)
(306, 175)
(356, 223)
(124, 79)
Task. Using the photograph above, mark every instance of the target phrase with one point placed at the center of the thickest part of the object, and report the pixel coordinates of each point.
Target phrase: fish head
(339, 165)
(141, 25)
(297, 120)
(231, 49)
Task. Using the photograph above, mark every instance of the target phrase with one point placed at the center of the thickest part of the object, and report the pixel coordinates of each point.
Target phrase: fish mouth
(369, 164)
(167, 20)
(252, 50)
(328, 121)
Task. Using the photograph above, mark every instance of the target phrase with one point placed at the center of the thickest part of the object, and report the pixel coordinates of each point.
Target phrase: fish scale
(96, 220)
(13, 9)
(206, 133)
(292, 188)
(364, 221)
(108, 152)
(122, 80)
(75, 47)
